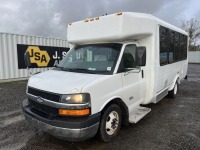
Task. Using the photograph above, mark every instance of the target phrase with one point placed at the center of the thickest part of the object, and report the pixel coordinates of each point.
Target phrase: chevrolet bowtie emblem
(40, 99)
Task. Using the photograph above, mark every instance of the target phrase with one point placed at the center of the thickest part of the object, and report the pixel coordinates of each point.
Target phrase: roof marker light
(92, 19)
(86, 20)
(97, 18)
(119, 13)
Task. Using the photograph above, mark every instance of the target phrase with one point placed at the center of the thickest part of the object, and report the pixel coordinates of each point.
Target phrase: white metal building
(194, 57)
(8, 53)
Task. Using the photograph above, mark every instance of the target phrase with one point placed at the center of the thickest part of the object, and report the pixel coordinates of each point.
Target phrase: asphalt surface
(172, 123)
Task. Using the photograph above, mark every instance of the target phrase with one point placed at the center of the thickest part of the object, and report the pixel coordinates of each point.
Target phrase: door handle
(142, 72)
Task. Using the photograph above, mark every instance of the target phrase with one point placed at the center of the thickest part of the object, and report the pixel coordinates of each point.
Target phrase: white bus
(116, 63)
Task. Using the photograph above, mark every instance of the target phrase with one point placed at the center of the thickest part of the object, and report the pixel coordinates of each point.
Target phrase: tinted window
(176, 46)
(173, 46)
(163, 46)
(184, 47)
(129, 56)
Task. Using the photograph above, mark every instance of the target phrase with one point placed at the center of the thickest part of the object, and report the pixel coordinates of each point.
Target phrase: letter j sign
(40, 56)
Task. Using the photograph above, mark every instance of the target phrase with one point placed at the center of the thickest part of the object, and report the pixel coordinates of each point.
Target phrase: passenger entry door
(132, 77)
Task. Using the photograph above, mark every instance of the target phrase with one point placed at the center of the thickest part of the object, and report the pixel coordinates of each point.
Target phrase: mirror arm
(133, 71)
(138, 70)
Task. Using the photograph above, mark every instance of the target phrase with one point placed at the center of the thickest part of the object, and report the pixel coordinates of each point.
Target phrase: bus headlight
(82, 98)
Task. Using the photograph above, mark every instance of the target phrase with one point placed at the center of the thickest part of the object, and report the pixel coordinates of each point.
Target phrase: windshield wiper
(83, 70)
(75, 69)
(61, 68)
(80, 69)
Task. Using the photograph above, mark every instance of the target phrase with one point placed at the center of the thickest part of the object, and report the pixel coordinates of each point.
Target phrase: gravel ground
(172, 123)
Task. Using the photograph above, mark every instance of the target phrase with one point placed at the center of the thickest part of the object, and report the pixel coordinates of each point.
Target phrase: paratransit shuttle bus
(116, 63)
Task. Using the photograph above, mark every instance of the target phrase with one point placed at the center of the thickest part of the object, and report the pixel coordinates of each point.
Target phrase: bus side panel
(167, 73)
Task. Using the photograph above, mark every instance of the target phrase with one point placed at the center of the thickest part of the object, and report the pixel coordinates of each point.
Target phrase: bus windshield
(96, 59)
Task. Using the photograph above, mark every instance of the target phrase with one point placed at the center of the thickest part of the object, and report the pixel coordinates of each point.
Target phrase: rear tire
(110, 123)
(173, 92)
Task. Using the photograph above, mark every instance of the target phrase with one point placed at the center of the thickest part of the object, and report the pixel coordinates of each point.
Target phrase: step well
(138, 113)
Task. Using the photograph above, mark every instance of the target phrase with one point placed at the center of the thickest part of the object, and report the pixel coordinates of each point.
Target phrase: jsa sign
(40, 56)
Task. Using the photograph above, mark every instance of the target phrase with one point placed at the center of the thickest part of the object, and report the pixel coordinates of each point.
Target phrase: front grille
(43, 108)
(46, 95)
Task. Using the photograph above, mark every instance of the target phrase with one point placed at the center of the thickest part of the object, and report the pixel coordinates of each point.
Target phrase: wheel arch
(123, 107)
(176, 79)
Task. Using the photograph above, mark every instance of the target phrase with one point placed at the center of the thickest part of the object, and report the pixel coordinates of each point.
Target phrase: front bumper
(69, 128)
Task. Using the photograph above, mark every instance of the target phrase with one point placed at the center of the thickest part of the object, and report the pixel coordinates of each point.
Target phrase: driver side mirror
(27, 59)
(141, 56)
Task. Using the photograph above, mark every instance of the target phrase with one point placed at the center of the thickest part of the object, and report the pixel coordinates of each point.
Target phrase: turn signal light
(81, 112)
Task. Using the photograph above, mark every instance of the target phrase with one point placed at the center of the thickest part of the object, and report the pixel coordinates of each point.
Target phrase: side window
(129, 56)
(171, 46)
(185, 47)
(163, 46)
(176, 46)
(181, 49)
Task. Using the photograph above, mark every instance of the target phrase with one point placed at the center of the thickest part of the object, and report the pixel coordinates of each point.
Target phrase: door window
(129, 57)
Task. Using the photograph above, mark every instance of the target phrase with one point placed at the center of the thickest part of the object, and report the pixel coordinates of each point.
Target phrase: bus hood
(61, 82)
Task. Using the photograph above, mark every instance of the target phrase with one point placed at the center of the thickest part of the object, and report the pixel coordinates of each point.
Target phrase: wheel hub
(112, 122)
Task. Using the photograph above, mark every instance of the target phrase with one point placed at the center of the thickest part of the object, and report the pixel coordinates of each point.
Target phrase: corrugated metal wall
(194, 57)
(8, 53)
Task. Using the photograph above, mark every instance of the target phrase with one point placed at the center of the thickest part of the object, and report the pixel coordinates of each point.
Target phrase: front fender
(109, 100)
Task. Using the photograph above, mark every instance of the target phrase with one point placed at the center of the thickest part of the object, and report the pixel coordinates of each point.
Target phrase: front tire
(110, 123)
(173, 93)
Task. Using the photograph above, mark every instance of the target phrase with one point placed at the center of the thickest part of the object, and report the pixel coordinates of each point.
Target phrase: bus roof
(116, 27)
